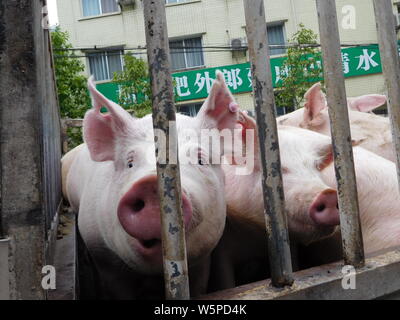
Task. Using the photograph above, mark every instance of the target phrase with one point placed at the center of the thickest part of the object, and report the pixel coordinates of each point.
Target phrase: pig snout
(139, 215)
(324, 209)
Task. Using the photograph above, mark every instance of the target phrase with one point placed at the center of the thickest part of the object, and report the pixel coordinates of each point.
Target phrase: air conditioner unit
(126, 3)
(239, 44)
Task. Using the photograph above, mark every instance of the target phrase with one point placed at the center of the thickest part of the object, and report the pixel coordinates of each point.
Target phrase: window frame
(105, 54)
(192, 108)
(276, 24)
(101, 11)
(398, 13)
(186, 67)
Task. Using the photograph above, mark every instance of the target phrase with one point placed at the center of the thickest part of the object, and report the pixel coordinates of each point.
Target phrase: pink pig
(309, 186)
(111, 181)
(368, 130)
(311, 203)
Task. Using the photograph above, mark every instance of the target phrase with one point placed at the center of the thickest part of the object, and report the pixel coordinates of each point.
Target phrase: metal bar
(379, 278)
(169, 186)
(353, 250)
(391, 68)
(4, 270)
(276, 221)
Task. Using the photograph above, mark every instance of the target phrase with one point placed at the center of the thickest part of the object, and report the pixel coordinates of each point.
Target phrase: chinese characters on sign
(196, 84)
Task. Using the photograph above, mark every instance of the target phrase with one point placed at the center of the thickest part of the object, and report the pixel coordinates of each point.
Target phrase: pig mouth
(149, 249)
(150, 243)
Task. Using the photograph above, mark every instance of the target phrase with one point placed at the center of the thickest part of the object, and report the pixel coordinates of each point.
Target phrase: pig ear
(315, 102)
(101, 131)
(220, 109)
(325, 154)
(325, 157)
(248, 123)
(366, 103)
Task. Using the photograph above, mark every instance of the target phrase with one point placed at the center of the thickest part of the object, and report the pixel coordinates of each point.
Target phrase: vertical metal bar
(391, 68)
(274, 202)
(353, 250)
(173, 232)
(4, 270)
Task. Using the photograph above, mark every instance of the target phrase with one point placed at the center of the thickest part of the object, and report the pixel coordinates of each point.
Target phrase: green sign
(196, 84)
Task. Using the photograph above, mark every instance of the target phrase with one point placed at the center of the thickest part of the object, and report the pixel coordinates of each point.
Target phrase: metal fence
(326, 279)
(26, 222)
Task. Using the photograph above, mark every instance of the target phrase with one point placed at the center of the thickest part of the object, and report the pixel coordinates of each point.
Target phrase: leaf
(301, 65)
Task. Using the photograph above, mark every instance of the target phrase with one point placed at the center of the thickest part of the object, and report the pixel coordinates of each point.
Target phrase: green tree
(73, 95)
(301, 68)
(134, 86)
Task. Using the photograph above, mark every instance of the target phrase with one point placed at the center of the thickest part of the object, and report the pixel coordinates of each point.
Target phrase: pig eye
(201, 159)
(130, 159)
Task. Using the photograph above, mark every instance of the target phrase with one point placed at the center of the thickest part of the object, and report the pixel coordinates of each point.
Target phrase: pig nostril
(138, 205)
(321, 207)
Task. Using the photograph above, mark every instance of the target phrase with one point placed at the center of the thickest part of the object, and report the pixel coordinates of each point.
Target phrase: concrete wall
(30, 150)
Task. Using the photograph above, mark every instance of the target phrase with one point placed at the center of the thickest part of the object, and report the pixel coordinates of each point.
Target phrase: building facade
(210, 35)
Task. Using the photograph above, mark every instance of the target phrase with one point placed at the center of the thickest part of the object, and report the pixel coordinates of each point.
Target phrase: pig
(310, 190)
(370, 131)
(111, 182)
(305, 191)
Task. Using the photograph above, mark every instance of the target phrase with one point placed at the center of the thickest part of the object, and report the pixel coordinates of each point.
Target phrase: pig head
(368, 130)
(112, 182)
(311, 205)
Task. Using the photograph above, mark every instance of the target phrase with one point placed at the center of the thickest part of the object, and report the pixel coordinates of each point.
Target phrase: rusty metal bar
(353, 250)
(169, 186)
(379, 278)
(391, 68)
(274, 202)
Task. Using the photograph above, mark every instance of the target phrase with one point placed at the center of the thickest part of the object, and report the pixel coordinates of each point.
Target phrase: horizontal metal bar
(72, 122)
(378, 278)
(169, 185)
(4, 270)
(353, 250)
(274, 202)
(391, 68)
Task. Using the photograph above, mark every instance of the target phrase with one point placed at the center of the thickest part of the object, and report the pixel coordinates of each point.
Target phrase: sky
(52, 9)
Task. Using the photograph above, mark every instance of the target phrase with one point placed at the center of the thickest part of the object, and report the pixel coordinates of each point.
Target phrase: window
(98, 7)
(398, 13)
(104, 64)
(276, 37)
(190, 109)
(186, 53)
